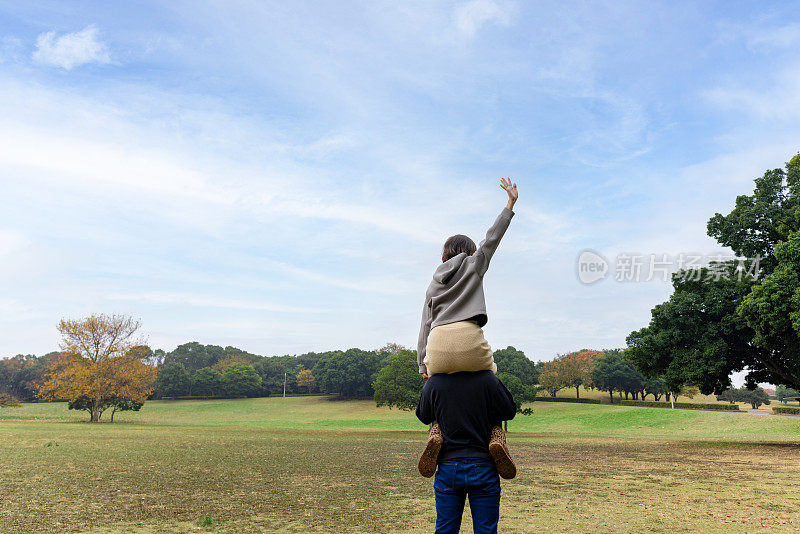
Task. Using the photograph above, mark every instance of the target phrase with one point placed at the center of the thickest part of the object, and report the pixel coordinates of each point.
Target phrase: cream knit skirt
(458, 346)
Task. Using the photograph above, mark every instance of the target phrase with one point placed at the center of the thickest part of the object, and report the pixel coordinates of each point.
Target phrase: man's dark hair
(457, 244)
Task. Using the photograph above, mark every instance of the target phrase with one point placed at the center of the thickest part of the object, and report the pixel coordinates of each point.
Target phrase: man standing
(466, 405)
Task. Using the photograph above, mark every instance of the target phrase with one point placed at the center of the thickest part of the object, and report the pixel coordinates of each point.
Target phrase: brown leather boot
(499, 451)
(427, 462)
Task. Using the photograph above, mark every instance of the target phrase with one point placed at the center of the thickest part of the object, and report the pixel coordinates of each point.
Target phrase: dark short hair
(457, 244)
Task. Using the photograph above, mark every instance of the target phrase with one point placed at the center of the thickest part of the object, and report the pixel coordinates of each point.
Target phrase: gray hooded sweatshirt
(456, 292)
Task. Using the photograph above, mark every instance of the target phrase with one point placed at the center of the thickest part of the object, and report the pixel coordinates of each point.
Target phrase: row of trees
(608, 370)
(195, 370)
(754, 397)
(398, 383)
(388, 374)
(102, 366)
(615, 372)
(570, 371)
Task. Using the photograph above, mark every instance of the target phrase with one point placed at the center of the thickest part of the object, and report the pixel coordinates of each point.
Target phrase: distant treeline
(194, 369)
(388, 374)
(197, 370)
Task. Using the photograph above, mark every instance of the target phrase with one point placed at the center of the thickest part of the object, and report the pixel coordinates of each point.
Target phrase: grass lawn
(307, 464)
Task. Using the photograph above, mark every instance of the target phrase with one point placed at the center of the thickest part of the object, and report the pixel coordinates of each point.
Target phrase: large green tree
(194, 355)
(173, 380)
(614, 372)
(760, 221)
(715, 325)
(514, 362)
(696, 337)
(399, 383)
(772, 310)
(655, 387)
(240, 380)
(522, 393)
(754, 397)
(206, 382)
(348, 374)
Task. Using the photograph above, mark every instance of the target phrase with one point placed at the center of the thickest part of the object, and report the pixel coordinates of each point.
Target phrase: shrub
(7, 401)
(567, 399)
(683, 405)
(786, 410)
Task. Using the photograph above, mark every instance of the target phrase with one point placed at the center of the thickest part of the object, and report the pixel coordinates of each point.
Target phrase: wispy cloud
(71, 49)
(775, 98)
(471, 16)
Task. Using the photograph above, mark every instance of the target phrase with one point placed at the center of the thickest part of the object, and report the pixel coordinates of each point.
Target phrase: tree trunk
(112, 414)
(505, 426)
(96, 412)
(611, 392)
(577, 392)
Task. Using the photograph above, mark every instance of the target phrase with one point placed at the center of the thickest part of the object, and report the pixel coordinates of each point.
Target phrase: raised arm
(488, 246)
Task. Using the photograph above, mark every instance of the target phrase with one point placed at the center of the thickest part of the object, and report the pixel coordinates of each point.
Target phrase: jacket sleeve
(424, 330)
(488, 246)
(503, 406)
(425, 406)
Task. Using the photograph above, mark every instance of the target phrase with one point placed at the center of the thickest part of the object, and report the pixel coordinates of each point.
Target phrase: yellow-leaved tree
(100, 366)
(305, 379)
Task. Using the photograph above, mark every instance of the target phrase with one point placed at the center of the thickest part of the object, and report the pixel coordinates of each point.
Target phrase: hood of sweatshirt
(446, 270)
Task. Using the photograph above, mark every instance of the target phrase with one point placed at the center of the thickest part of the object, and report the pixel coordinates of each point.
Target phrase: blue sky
(281, 177)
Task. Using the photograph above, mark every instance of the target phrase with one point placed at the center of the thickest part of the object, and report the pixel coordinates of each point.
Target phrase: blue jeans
(457, 478)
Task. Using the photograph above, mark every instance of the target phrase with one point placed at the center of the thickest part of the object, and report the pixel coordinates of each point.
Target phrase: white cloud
(779, 100)
(71, 49)
(472, 15)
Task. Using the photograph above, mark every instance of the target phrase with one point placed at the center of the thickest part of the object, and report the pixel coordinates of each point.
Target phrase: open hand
(511, 189)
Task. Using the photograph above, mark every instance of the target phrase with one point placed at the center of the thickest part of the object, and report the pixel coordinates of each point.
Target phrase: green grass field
(308, 464)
